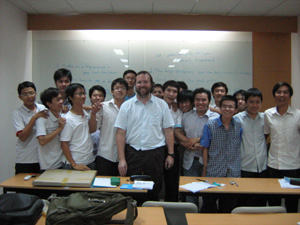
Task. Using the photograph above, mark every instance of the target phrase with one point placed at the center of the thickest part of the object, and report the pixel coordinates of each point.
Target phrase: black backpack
(95, 208)
(20, 209)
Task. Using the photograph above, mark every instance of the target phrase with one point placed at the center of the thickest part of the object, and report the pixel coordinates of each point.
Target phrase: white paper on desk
(285, 184)
(103, 182)
(197, 186)
(148, 185)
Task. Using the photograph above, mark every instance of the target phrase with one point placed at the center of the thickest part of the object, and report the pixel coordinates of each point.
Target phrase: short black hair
(280, 84)
(253, 92)
(98, 88)
(48, 94)
(25, 84)
(129, 71)
(182, 85)
(228, 98)
(241, 92)
(219, 84)
(171, 83)
(157, 85)
(62, 72)
(70, 90)
(120, 81)
(185, 95)
(201, 90)
(146, 72)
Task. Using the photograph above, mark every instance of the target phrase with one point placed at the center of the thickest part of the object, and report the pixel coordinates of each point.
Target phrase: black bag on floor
(20, 209)
(95, 208)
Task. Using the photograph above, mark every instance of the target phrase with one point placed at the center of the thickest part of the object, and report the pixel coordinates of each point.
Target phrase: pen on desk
(202, 180)
(236, 184)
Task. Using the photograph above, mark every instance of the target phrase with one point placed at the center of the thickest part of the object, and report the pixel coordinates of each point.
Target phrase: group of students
(224, 139)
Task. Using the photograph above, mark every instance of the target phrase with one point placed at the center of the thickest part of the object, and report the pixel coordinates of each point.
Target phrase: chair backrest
(257, 210)
(174, 211)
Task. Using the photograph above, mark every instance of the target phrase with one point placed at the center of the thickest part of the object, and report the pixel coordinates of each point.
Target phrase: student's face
(241, 102)
(218, 93)
(28, 96)
(185, 106)
(170, 94)
(56, 104)
(119, 92)
(97, 96)
(143, 85)
(130, 79)
(62, 84)
(158, 92)
(282, 96)
(78, 97)
(253, 105)
(201, 103)
(228, 109)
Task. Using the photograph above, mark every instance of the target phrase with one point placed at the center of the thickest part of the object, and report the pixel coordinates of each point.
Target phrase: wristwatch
(172, 155)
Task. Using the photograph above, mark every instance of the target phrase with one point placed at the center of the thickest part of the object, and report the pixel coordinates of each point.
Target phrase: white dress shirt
(284, 153)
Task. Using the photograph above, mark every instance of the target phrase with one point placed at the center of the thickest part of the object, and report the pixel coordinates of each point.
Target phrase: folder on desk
(66, 178)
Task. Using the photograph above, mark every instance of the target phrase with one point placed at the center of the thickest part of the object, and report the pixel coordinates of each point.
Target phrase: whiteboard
(95, 61)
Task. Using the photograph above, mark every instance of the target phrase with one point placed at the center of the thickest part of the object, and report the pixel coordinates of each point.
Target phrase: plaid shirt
(224, 153)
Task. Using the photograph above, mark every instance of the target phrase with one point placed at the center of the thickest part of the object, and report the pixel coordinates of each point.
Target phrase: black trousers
(27, 168)
(226, 203)
(171, 178)
(150, 162)
(106, 167)
(253, 200)
(291, 203)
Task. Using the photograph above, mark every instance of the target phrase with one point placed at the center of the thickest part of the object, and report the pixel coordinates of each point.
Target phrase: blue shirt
(224, 153)
(144, 124)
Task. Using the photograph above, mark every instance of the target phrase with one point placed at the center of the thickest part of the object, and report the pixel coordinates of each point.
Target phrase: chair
(174, 211)
(259, 210)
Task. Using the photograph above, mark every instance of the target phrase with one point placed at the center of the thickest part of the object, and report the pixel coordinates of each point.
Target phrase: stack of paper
(197, 186)
(103, 182)
(148, 185)
(286, 184)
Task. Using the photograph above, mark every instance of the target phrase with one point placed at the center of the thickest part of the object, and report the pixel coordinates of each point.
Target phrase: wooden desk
(18, 184)
(146, 216)
(243, 219)
(269, 186)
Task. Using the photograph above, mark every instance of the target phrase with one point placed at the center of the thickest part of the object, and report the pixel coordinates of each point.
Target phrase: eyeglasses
(32, 93)
(119, 88)
(231, 107)
(80, 93)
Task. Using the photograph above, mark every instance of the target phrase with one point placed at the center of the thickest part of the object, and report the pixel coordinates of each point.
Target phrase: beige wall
(15, 67)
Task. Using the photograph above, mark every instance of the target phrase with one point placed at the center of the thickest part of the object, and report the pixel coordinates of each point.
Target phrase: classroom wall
(296, 66)
(15, 66)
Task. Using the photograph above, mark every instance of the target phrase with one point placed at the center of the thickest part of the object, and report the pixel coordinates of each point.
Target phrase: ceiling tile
(287, 8)
(51, 6)
(22, 5)
(132, 6)
(214, 7)
(254, 7)
(173, 6)
(91, 6)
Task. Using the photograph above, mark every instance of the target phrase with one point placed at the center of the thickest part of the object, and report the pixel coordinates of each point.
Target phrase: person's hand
(122, 167)
(169, 162)
(80, 167)
(61, 122)
(96, 107)
(44, 113)
(197, 146)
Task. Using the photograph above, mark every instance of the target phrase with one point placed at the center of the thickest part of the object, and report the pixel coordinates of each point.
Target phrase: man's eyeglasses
(80, 93)
(32, 93)
(120, 88)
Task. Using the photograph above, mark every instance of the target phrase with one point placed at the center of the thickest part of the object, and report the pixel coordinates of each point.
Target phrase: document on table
(197, 186)
(286, 184)
(148, 185)
(103, 182)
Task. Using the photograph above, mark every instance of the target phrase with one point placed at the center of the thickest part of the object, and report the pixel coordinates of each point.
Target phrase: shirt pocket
(155, 118)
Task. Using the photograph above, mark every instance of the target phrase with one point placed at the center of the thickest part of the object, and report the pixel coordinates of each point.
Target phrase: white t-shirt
(50, 155)
(106, 118)
(76, 132)
(27, 151)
